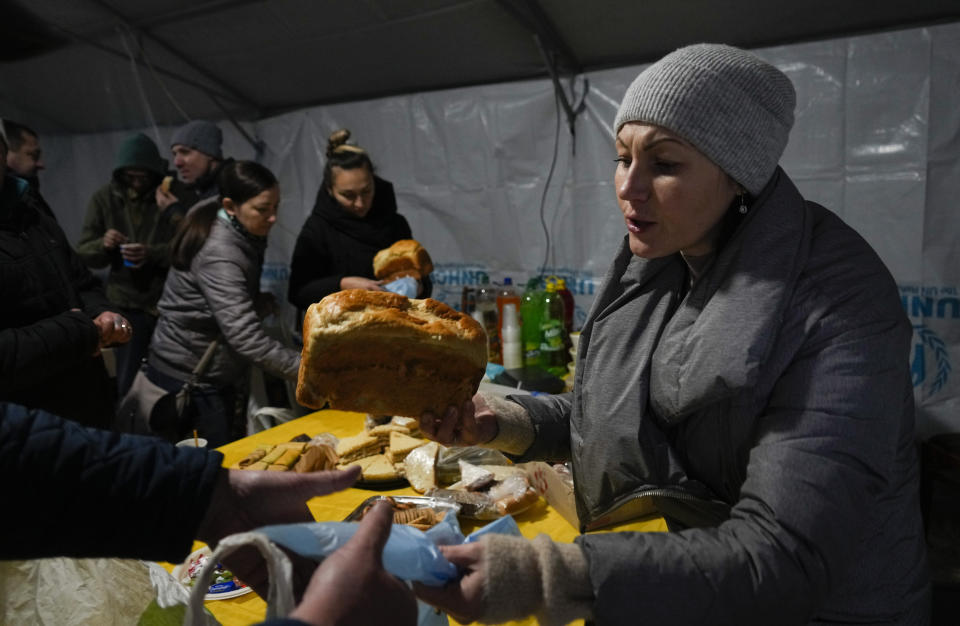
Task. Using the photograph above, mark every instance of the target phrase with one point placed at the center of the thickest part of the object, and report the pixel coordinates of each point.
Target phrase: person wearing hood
(354, 217)
(125, 232)
(744, 373)
(54, 316)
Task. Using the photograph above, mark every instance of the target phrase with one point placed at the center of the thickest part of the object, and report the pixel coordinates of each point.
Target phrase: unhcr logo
(930, 363)
(929, 356)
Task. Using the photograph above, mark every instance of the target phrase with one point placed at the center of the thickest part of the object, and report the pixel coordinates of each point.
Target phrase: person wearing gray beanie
(200, 135)
(198, 158)
(743, 373)
(730, 105)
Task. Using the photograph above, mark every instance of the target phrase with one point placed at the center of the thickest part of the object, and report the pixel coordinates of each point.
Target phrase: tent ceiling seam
(236, 94)
(531, 16)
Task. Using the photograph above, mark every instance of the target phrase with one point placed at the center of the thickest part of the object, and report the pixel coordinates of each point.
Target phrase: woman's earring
(743, 205)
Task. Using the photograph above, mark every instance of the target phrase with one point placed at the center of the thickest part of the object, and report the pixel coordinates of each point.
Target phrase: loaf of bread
(382, 353)
(404, 258)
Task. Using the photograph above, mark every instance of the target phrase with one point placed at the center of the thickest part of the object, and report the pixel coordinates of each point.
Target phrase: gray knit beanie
(733, 107)
(200, 135)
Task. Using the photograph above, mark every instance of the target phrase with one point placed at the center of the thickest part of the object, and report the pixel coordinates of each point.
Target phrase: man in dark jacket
(24, 155)
(198, 157)
(125, 231)
(54, 317)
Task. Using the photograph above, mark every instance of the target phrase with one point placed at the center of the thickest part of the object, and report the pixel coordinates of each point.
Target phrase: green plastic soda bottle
(553, 333)
(530, 307)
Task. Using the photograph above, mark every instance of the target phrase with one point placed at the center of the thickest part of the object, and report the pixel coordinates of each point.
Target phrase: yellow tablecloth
(250, 608)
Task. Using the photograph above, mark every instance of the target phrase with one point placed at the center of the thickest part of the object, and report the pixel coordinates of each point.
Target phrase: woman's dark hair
(239, 181)
(343, 155)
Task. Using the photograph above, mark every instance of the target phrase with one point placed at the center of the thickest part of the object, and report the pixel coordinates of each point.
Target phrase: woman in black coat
(355, 216)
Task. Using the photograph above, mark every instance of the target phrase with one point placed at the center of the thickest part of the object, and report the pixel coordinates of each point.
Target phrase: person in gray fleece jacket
(212, 294)
(743, 372)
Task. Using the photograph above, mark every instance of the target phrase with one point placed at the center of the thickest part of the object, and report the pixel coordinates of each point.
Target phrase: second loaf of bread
(382, 353)
(404, 256)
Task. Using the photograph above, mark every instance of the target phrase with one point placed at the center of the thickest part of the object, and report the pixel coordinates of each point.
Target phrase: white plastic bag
(98, 592)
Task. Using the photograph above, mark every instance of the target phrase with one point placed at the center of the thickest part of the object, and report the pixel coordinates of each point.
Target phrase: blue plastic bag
(410, 554)
(406, 286)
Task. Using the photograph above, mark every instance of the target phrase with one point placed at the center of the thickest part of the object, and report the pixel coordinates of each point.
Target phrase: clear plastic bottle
(506, 293)
(512, 341)
(553, 335)
(487, 309)
(530, 307)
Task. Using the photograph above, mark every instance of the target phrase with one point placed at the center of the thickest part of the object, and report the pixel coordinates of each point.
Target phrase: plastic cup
(126, 263)
(124, 247)
(190, 443)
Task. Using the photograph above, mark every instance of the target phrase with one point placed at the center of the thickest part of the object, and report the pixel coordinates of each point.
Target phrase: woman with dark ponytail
(354, 217)
(210, 294)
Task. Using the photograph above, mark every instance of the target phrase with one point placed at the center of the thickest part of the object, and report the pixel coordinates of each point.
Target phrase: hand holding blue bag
(409, 554)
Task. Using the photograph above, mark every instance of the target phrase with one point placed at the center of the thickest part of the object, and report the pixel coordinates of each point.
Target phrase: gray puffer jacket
(768, 412)
(216, 299)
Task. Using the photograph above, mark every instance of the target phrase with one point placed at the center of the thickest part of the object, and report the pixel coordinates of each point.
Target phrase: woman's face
(672, 196)
(259, 213)
(353, 189)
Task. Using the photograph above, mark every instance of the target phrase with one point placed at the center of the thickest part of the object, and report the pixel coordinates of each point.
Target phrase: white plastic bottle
(512, 341)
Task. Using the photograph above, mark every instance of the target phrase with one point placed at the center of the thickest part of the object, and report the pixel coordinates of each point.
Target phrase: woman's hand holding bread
(359, 282)
(473, 423)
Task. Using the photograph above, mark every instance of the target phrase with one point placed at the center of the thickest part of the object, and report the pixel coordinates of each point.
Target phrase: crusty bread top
(386, 314)
(406, 254)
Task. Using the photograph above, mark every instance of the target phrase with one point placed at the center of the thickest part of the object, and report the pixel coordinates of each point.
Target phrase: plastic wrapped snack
(513, 495)
(420, 467)
(475, 505)
(448, 461)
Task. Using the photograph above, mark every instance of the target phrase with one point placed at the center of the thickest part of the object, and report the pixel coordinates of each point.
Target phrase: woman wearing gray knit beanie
(743, 373)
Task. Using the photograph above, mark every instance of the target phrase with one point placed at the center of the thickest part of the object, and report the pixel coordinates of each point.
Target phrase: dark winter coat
(334, 243)
(141, 221)
(82, 492)
(46, 348)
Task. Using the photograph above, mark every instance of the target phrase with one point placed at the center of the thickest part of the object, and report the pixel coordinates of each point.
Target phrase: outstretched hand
(471, 424)
(243, 500)
(462, 598)
(351, 586)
